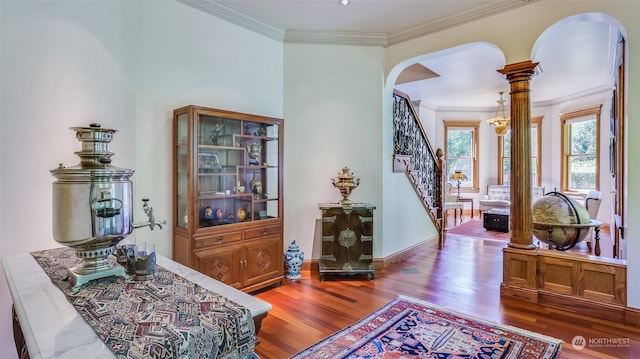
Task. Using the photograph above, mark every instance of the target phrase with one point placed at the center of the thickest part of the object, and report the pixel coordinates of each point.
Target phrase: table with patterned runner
(165, 317)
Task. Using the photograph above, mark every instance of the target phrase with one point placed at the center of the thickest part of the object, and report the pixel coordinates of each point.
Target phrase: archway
(595, 44)
(569, 81)
(462, 82)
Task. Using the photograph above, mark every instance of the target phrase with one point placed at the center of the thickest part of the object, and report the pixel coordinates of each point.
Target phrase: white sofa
(499, 196)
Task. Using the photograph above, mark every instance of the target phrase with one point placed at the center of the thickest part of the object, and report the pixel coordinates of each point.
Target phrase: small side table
(467, 200)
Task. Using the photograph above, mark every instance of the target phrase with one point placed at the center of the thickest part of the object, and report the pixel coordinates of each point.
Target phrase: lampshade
(457, 175)
(500, 121)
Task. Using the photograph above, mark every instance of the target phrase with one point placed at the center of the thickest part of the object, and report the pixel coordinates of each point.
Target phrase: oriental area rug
(410, 328)
(475, 228)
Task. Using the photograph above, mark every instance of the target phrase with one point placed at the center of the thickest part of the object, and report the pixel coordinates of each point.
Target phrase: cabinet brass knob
(219, 238)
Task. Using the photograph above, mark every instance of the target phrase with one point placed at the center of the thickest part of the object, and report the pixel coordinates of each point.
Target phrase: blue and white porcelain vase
(293, 258)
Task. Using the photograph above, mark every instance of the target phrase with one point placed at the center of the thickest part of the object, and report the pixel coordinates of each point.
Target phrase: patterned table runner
(165, 317)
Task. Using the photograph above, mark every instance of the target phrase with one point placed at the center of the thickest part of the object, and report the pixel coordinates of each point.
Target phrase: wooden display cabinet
(228, 213)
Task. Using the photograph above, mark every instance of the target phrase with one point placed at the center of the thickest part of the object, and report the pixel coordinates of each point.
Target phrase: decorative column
(519, 76)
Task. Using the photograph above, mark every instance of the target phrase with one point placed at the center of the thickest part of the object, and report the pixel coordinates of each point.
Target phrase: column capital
(525, 68)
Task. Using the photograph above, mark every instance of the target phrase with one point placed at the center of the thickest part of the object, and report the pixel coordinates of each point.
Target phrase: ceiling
(575, 56)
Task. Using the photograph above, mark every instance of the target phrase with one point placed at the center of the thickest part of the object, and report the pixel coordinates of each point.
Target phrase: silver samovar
(92, 207)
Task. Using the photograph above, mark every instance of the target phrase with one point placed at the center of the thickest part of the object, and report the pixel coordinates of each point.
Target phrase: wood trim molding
(397, 257)
(586, 285)
(565, 119)
(311, 266)
(475, 125)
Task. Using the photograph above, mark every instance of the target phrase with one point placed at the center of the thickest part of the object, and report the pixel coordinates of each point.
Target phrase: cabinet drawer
(261, 232)
(217, 239)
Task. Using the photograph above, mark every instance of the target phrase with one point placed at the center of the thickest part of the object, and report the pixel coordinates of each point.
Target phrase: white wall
(332, 120)
(64, 64)
(125, 65)
(185, 57)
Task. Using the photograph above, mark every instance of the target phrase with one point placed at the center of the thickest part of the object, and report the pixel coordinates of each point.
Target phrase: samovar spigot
(148, 210)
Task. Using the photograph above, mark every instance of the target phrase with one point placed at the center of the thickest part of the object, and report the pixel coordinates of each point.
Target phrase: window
(580, 150)
(504, 154)
(461, 149)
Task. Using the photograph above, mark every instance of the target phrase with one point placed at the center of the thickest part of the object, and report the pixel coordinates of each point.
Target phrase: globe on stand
(553, 210)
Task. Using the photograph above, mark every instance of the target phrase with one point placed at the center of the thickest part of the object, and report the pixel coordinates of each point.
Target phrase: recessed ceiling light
(344, 2)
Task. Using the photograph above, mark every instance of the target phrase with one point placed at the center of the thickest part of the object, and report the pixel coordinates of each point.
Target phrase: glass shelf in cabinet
(204, 171)
(220, 195)
(256, 167)
(256, 137)
(215, 147)
(265, 199)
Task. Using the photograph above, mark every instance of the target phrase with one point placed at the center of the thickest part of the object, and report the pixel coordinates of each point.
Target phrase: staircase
(414, 156)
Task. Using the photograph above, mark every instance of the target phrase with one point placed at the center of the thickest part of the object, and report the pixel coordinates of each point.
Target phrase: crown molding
(441, 109)
(237, 17)
(483, 10)
(602, 89)
(599, 90)
(337, 38)
(253, 23)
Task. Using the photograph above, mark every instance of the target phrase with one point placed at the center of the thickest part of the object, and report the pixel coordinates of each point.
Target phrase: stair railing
(414, 155)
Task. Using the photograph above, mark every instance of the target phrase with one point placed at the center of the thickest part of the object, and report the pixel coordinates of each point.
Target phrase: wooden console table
(52, 328)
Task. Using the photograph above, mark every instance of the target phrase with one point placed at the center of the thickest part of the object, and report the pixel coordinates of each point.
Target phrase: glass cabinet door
(182, 157)
(237, 170)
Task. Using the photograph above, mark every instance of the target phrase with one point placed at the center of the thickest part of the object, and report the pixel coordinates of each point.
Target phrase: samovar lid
(95, 158)
(346, 174)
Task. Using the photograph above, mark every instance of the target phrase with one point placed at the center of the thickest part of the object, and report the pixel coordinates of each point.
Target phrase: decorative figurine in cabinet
(347, 239)
(228, 195)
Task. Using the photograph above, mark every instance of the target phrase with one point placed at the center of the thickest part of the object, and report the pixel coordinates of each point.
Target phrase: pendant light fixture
(500, 121)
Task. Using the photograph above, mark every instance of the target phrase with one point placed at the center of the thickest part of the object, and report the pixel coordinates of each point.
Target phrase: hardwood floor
(464, 276)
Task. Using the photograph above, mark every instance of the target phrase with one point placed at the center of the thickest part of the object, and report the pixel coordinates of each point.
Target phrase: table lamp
(457, 175)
